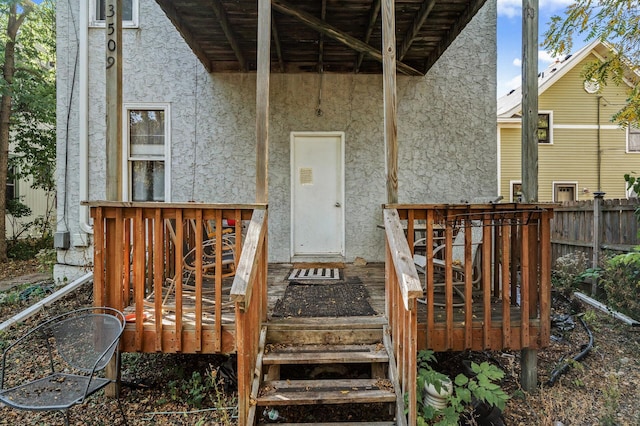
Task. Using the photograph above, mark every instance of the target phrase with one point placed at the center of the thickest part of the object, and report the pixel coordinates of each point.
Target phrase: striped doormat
(315, 274)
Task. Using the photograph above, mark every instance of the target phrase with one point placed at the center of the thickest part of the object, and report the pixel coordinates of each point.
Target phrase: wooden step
(323, 331)
(341, 391)
(336, 424)
(324, 354)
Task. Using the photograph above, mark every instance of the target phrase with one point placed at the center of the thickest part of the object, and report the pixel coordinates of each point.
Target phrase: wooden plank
(390, 103)
(325, 354)
(429, 284)
(198, 231)
(545, 280)
(223, 21)
(468, 283)
(338, 35)
(138, 274)
(373, 18)
(486, 278)
(448, 278)
(529, 100)
(262, 101)
(412, 32)
(241, 290)
(179, 238)
(334, 391)
(98, 256)
(158, 273)
(402, 260)
(506, 286)
(113, 83)
(525, 276)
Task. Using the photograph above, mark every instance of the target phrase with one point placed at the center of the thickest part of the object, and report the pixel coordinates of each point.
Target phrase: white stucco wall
(446, 128)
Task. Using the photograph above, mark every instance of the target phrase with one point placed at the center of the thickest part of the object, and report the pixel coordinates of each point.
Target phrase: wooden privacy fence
(572, 228)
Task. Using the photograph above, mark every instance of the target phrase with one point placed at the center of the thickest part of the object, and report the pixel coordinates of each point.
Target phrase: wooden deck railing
(504, 299)
(159, 263)
(402, 289)
(249, 293)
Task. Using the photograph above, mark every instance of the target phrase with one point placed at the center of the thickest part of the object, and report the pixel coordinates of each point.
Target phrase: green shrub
(621, 281)
(28, 248)
(481, 387)
(568, 272)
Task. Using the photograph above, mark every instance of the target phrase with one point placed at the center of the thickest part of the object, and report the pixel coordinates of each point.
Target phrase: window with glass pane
(543, 128)
(634, 139)
(147, 154)
(565, 192)
(11, 186)
(516, 192)
(127, 10)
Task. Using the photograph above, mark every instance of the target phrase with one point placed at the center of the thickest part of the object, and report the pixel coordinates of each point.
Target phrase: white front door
(317, 195)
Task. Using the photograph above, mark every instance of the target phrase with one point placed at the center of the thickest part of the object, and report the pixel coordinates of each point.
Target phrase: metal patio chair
(457, 261)
(56, 364)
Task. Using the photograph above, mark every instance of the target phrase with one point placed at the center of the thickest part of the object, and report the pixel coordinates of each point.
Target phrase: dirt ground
(189, 390)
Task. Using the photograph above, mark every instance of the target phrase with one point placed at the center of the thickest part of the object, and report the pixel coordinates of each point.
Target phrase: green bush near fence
(620, 278)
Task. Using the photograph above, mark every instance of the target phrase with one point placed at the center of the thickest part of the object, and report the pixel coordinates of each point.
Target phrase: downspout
(83, 118)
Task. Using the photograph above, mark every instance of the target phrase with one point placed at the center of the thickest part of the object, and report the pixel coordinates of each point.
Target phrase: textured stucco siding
(446, 127)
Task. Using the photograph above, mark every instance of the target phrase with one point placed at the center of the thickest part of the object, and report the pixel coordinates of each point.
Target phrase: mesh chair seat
(58, 391)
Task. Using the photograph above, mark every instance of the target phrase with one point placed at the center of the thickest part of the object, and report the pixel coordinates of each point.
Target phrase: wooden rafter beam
(414, 29)
(173, 15)
(471, 10)
(373, 18)
(276, 42)
(221, 15)
(323, 16)
(336, 34)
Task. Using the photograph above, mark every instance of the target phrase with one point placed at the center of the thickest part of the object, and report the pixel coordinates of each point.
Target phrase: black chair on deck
(56, 364)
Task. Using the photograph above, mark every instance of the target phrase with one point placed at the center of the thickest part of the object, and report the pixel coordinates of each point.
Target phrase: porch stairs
(312, 362)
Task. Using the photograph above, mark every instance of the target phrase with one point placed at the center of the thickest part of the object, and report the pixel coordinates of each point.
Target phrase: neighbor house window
(516, 192)
(12, 186)
(564, 192)
(544, 128)
(147, 153)
(99, 14)
(633, 139)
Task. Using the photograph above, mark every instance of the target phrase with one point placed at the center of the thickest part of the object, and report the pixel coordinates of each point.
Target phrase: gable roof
(509, 105)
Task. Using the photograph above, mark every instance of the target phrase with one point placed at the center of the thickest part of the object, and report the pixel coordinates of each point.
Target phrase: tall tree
(616, 22)
(27, 104)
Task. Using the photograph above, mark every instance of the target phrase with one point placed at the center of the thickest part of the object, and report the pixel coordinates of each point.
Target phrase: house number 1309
(111, 42)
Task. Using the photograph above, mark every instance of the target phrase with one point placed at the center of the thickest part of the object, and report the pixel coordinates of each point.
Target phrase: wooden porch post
(390, 101)
(113, 150)
(262, 101)
(528, 360)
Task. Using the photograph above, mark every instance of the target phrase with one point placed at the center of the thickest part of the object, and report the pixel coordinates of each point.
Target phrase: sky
(510, 40)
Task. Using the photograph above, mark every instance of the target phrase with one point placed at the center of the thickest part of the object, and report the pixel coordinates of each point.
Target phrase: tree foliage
(28, 101)
(616, 22)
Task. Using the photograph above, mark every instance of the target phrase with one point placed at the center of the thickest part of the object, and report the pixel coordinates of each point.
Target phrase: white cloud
(513, 8)
(517, 62)
(514, 82)
(545, 57)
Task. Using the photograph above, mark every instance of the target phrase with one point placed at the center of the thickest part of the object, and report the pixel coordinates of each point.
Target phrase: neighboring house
(580, 150)
(189, 134)
(40, 203)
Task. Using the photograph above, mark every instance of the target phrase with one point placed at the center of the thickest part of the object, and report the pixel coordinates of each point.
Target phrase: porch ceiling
(341, 36)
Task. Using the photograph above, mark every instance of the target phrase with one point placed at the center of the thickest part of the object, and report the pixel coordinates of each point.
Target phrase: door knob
(337, 204)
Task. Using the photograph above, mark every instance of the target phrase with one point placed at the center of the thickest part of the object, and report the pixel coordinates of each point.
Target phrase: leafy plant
(481, 387)
(568, 271)
(621, 281)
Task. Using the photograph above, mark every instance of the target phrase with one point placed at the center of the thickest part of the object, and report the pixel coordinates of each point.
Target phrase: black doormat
(341, 299)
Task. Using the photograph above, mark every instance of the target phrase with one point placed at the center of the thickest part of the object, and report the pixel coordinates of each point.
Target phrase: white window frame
(555, 184)
(550, 114)
(637, 131)
(11, 170)
(511, 184)
(127, 158)
(100, 23)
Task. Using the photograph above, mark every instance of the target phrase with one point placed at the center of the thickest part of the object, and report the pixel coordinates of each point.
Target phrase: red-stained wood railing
(402, 288)
(508, 287)
(249, 292)
(139, 251)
